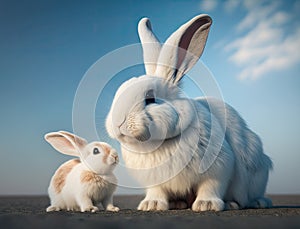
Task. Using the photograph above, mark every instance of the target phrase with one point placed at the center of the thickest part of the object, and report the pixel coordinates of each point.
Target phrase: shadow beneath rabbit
(285, 206)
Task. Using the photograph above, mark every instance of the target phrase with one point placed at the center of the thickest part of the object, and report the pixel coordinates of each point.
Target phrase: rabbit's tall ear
(151, 45)
(183, 48)
(66, 142)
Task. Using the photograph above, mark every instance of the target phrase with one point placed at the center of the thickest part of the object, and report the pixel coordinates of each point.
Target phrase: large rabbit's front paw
(208, 205)
(231, 205)
(112, 208)
(153, 205)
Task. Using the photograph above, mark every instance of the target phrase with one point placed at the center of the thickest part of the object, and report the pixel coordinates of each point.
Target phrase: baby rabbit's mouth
(115, 159)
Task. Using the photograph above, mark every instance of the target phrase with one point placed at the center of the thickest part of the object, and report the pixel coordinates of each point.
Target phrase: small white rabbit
(80, 184)
(174, 145)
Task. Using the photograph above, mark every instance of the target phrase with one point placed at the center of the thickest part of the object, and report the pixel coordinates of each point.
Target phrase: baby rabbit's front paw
(52, 208)
(208, 205)
(153, 205)
(90, 209)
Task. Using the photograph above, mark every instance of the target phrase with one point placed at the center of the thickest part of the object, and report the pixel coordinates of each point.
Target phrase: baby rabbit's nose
(114, 155)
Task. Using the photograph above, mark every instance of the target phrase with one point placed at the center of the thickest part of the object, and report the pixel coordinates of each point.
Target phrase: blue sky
(46, 47)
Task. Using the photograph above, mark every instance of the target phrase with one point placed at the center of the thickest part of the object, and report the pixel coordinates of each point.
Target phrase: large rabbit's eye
(96, 151)
(149, 97)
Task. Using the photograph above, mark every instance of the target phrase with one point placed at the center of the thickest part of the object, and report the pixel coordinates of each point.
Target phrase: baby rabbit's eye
(149, 97)
(96, 151)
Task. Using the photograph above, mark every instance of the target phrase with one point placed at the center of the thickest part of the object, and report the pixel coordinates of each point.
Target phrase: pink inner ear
(77, 140)
(64, 142)
(187, 37)
(61, 143)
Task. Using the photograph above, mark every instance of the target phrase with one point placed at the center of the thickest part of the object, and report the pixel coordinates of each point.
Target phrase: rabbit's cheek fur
(110, 158)
(113, 159)
(169, 120)
(105, 147)
(104, 158)
(165, 120)
(112, 130)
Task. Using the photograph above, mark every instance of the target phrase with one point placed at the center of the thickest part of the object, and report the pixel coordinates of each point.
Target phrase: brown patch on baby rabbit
(88, 176)
(61, 174)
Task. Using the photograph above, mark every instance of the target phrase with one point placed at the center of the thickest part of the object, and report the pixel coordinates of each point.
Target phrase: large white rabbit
(196, 153)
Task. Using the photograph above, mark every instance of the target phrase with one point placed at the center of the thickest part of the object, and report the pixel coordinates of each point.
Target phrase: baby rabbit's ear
(66, 143)
(183, 48)
(151, 45)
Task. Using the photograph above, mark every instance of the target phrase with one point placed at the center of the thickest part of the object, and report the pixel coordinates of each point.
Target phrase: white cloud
(208, 5)
(231, 5)
(252, 4)
(265, 45)
(255, 14)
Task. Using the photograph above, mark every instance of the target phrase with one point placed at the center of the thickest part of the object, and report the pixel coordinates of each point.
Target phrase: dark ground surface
(29, 212)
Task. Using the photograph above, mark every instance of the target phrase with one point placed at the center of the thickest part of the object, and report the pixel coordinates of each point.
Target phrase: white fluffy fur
(76, 194)
(174, 146)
